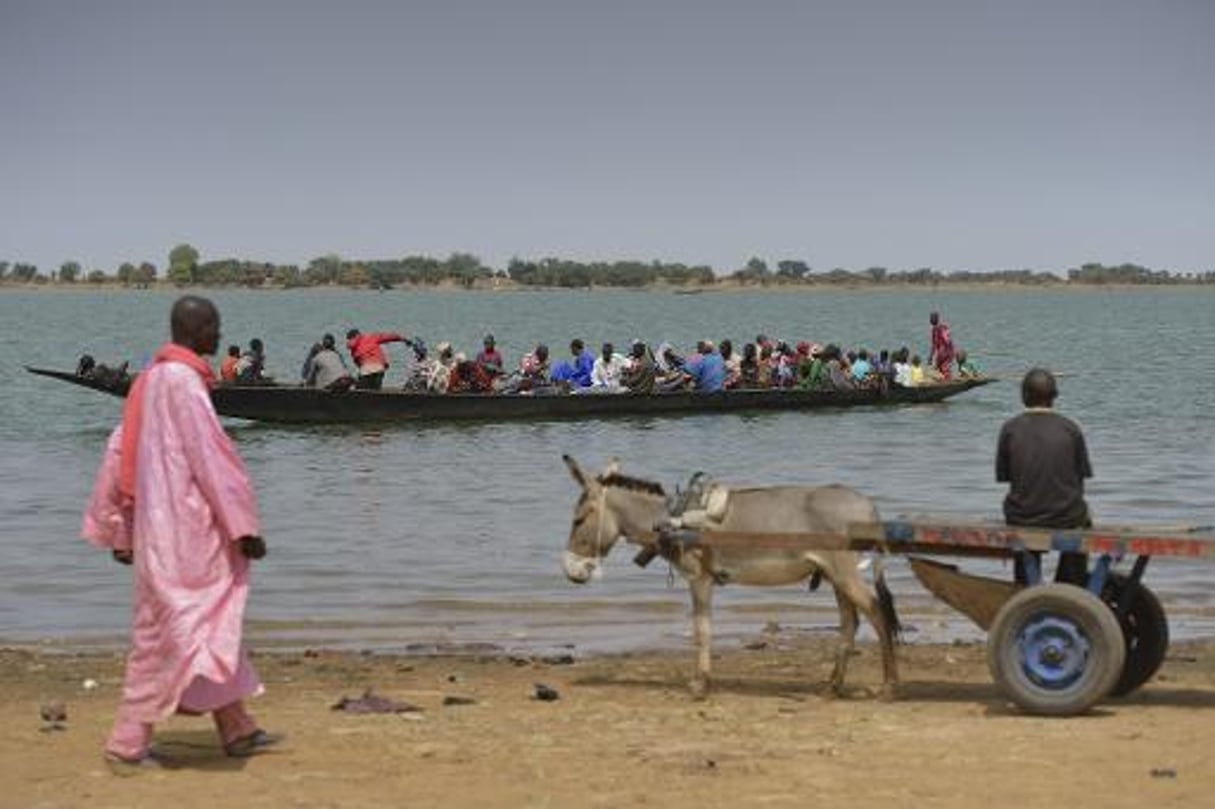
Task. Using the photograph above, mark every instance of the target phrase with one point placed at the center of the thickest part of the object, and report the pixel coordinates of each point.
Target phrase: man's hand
(252, 547)
(123, 557)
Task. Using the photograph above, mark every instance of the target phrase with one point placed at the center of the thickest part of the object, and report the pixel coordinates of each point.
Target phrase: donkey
(613, 506)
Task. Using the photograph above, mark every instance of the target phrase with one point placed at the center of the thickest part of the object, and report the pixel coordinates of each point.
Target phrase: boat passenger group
(713, 367)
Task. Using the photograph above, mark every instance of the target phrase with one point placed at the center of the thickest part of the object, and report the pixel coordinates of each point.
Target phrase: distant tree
(25, 273)
(97, 277)
(183, 264)
(69, 271)
(4, 265)
(792, 269)
(145, 275)
(288, 276)
(755, 271)
(876, 274)
(125, 274)
(354, 274)
(324, 269)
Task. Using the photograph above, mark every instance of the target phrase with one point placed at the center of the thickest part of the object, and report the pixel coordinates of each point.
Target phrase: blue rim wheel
(1055, 650)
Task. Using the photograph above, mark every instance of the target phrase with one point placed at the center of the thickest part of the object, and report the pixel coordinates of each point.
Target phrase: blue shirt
(860, 368)
(708, 371)
(577, 373)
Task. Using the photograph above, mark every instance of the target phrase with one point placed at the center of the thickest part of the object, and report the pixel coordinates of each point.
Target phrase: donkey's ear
(575, 470)
(613, 467)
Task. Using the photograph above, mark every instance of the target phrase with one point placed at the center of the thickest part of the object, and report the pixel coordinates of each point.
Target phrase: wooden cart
(1054, 648)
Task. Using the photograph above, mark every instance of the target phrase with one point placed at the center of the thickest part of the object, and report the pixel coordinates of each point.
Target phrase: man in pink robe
(940, 356)
(173, 498)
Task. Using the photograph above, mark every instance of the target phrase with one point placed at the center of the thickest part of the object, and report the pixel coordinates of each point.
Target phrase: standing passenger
(173, 498)
(369, 357)
(940, 356)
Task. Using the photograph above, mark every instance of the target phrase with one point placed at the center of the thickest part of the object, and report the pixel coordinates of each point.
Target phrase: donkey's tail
(886, 600)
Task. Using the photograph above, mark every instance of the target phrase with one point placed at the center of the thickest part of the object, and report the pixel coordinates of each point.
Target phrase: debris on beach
(372, 702)
(54, 716)
(456, 699)
(545, 693)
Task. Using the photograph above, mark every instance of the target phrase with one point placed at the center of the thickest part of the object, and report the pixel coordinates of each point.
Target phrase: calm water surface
(417, 536)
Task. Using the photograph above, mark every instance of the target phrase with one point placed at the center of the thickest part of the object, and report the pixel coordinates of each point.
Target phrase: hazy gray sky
(959, 134)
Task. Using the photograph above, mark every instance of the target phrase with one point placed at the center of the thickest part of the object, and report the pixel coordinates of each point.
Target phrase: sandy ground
(625, 733)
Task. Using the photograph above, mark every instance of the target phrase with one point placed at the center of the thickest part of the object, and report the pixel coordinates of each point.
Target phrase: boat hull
(299, 405)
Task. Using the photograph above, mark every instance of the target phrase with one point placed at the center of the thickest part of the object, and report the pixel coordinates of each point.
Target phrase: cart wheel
(1055, 649)
(1145, 630)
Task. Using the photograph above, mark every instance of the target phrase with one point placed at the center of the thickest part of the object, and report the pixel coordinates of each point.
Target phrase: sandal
(126, 767)
(256, 742)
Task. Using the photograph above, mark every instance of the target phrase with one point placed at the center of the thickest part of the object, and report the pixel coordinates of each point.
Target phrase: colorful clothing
(172, 489)
(707, 371)
(941, 356)
(367, 354)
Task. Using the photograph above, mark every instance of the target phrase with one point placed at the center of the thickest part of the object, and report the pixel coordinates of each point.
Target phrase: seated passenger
(967, 369)
(250, 368)
(861, 368)
(838, 376)
(440, 372)
(418, 372)
(607, 369)
(490, 358)
(326, 368)
(227, 369)
(916, 374)
(468, 377)
(640, 374)
(748, 367)
(901, 367)
(813, 374)
(706, 369)
(732, 362)
(576, 372)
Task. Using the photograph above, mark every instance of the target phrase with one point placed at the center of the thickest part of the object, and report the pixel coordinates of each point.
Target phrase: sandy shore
(624, 732)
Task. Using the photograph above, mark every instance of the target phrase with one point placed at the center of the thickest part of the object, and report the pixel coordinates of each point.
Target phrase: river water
(442, 536)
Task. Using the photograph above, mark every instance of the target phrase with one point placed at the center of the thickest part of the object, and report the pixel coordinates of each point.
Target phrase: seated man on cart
(1042, 457)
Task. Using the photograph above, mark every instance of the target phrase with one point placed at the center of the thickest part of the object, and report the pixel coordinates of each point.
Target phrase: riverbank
(624, 732)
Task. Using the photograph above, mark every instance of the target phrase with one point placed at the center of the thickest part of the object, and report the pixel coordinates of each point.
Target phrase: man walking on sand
(173, 498)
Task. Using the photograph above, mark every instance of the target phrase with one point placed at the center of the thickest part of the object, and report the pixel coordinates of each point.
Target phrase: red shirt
(227, 368)
(365, 349)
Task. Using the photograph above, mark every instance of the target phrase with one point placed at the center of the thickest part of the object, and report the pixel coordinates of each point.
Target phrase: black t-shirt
(1043, 458)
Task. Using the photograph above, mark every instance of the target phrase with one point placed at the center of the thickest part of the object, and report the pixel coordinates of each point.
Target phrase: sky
(954, 134)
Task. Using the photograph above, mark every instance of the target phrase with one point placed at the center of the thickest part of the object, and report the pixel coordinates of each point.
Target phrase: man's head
(234, 351)
(637, 351)
(194, 323)
(542, 352)
(255, 346)
(328, 342)
(353, 333)
(576, 347)
(608, 350)
(488, 342)
(934, 318)
(1038, 388)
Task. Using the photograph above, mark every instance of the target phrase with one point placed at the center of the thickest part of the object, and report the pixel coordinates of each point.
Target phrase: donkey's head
(595, 528)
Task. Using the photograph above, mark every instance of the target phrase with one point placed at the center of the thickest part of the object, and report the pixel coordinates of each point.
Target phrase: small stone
(454, 699)
(89, 685)
(1164, 772)
(53, 712)
(545, 693)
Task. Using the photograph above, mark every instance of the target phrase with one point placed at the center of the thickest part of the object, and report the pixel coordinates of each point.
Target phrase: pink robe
(193, 500)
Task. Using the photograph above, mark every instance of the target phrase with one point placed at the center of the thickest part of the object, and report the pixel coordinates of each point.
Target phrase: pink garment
(193, 500)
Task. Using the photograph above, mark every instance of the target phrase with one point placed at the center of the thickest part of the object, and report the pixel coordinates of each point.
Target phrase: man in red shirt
(369, 357)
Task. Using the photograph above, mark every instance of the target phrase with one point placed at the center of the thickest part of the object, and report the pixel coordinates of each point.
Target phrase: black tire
(1055, 650)
(1145, 631)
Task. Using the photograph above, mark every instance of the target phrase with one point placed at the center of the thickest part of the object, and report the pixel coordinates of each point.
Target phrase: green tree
(97, 277)
(794, 269)
(69, 271)
(25, 273)
(324, 269)
(183, 264)
(125, 273)
(145, 275)
(4, 265)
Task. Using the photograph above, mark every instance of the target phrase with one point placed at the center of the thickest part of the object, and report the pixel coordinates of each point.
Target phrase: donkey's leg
(702, 604)
(847, 642)
(863, 598)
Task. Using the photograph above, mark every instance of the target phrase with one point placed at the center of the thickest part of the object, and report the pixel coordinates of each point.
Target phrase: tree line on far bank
(185, 268)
